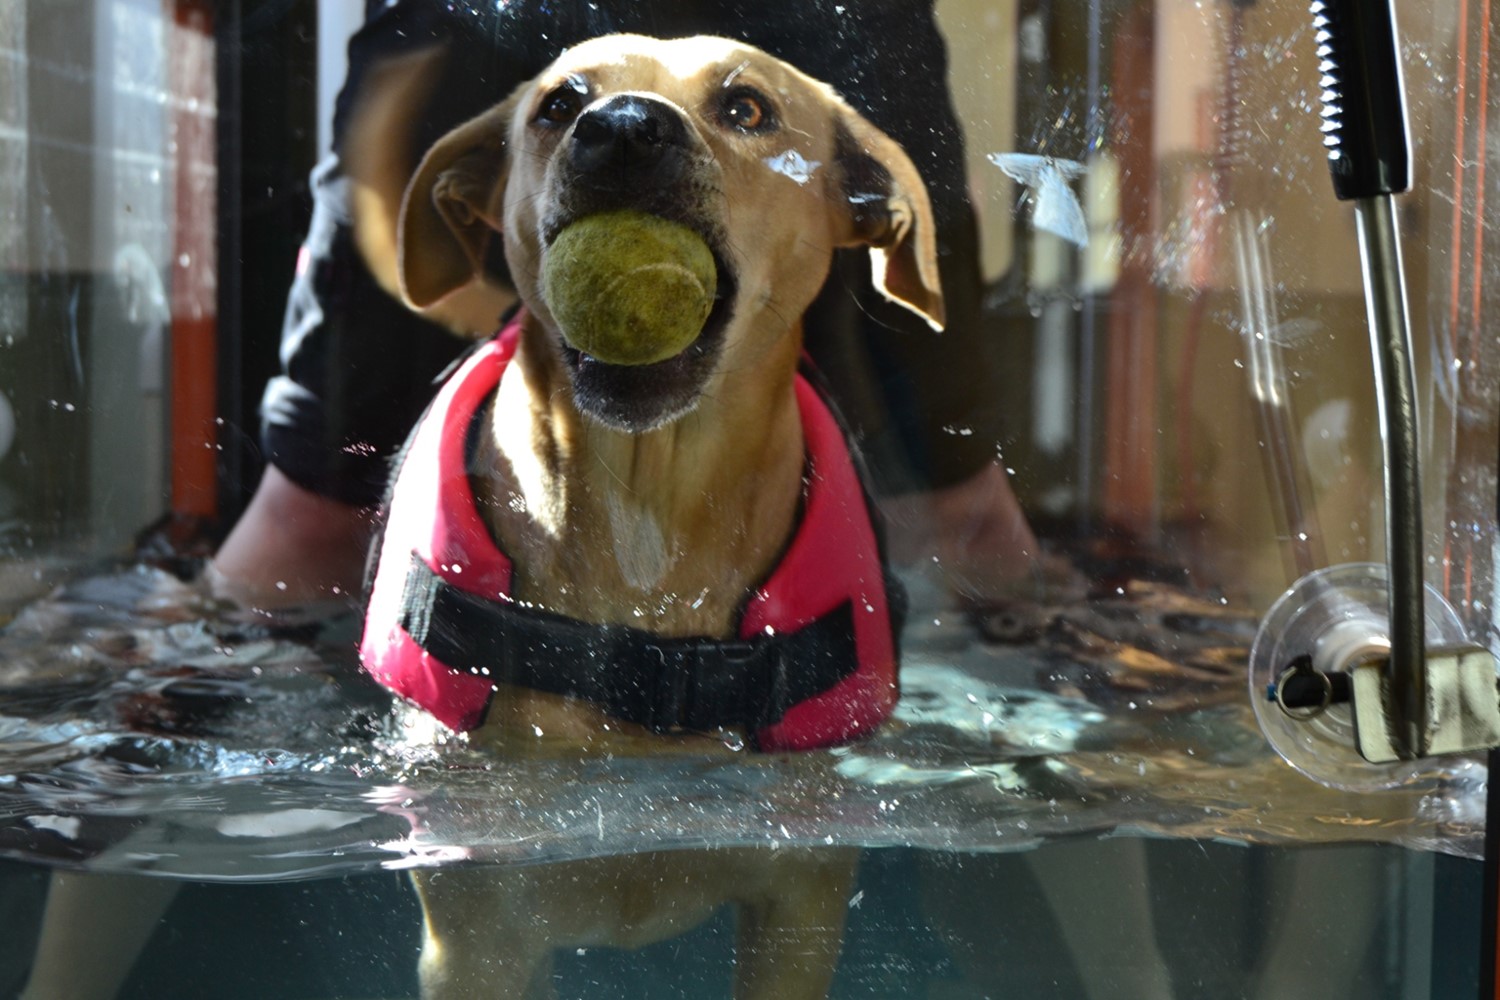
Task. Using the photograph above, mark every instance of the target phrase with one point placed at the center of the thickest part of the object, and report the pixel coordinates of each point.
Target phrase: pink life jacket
(814, 664)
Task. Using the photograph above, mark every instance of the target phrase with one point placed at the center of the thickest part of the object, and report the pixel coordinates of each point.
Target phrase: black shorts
(358, 367)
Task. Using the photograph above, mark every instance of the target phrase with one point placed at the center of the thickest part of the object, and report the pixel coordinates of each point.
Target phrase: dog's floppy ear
(889, 211)
(452, 208)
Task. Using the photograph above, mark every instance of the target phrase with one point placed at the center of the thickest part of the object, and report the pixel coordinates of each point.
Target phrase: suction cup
(1337, 616)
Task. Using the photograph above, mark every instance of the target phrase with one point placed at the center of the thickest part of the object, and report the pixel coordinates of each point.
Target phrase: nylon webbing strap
(661, 683)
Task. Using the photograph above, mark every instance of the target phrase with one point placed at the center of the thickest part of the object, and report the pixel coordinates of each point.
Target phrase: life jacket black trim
(665, 684)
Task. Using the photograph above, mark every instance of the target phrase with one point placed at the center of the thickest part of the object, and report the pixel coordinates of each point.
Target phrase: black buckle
(669, 682)
(695, 684)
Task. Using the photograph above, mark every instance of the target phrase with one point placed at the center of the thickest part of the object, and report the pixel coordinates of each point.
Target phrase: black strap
(662, 683)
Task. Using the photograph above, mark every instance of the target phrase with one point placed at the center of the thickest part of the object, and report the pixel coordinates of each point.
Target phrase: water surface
(144, 728)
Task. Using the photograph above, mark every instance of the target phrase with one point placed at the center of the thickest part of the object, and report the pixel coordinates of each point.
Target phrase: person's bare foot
(291, 546)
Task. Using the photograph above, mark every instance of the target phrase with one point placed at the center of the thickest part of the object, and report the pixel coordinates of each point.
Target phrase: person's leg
(974, 533)
(359, 367)
(292, 546)
(93, 929)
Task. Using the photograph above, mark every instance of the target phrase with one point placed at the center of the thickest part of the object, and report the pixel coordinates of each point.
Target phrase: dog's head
(768, 165)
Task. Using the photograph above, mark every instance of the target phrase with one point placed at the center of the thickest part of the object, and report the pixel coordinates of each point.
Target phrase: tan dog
(658, 496)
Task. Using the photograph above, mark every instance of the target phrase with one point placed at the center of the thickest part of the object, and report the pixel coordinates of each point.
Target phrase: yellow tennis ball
(629, 288)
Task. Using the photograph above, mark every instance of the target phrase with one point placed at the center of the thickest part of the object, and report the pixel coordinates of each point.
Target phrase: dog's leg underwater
(492, 931)
(791, 937)
(470, 945)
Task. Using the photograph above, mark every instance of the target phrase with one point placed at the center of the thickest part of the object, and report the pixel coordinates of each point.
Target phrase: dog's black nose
(629, 140)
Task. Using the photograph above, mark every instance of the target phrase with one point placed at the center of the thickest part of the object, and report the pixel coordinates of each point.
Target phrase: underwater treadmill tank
(1191, 505)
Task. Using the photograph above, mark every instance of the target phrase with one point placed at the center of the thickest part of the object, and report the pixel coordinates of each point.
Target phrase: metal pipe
(1395, 397)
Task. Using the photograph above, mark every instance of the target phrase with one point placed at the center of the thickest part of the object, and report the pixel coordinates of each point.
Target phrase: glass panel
(1151, 412)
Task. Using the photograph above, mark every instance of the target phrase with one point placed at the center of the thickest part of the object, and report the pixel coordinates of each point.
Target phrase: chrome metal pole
(1395, 398)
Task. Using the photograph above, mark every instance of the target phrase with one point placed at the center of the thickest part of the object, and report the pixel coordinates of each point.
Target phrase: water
(144, 729)
(922, 924)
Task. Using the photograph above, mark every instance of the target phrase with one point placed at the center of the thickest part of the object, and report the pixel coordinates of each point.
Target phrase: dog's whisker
(604, 463)
(534, 198)
(774, 308)
(820, 247)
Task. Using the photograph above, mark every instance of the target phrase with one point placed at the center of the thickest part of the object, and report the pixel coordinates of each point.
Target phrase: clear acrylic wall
(1175, 382)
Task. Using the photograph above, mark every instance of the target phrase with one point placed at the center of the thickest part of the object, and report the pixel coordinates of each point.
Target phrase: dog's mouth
(642, 397)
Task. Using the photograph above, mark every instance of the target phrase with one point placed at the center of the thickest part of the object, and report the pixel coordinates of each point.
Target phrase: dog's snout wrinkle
(629, 139)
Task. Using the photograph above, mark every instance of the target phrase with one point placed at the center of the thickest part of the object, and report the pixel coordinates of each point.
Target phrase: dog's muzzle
(627, 143)
(635, 151)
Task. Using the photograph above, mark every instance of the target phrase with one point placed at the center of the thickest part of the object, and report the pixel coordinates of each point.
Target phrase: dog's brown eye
(562, 105)
(747, 110)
